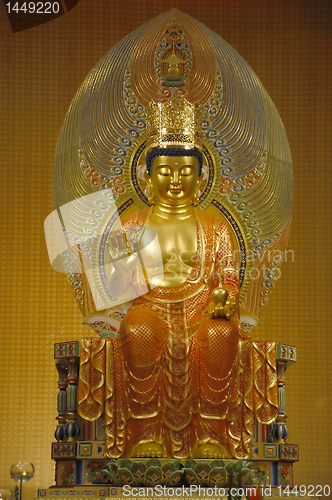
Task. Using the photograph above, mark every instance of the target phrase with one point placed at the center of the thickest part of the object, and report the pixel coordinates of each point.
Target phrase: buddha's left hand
(221, 306)
(229, 308)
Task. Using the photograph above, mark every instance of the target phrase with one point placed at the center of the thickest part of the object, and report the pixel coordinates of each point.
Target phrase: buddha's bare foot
(148, 450)
(210, 450)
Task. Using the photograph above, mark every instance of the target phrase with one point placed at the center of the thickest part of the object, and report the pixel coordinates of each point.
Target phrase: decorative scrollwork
(102, 181)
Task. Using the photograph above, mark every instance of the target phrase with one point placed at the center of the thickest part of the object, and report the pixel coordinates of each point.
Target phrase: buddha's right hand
(124, 257)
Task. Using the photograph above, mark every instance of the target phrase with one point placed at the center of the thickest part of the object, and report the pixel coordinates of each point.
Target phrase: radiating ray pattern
(106, 125)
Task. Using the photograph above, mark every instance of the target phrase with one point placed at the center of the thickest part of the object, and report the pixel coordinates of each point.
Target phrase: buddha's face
(174, 179)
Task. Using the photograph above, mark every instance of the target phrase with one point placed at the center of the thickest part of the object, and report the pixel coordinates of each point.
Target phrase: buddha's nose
(175, 178)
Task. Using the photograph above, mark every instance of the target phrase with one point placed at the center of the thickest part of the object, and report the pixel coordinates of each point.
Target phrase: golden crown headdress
(175, 123)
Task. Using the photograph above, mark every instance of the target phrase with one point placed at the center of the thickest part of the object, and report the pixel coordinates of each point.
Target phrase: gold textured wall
(288, 44)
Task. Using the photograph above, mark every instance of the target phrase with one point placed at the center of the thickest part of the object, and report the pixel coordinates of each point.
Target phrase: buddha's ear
(198, 189)
(150, 194)
(148, 180)
(200, 180)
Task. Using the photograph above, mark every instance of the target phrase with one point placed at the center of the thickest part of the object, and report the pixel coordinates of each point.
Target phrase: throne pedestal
(79, 450)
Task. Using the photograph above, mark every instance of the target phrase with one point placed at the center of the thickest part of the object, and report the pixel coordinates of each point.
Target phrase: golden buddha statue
(172, 373)
(179, 341)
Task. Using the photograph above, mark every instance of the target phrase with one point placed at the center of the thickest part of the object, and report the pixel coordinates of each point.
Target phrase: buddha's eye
(164, 171)
(186, 171)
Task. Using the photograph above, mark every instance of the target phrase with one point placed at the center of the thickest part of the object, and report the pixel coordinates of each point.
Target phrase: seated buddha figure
(179, 341)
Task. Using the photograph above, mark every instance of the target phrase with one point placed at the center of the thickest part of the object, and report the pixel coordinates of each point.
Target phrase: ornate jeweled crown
(175, 123)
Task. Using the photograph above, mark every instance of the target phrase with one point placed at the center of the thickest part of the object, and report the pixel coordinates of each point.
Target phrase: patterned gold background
(288, 44)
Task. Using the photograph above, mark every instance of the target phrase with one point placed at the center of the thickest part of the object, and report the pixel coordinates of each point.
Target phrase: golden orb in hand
(219, 296)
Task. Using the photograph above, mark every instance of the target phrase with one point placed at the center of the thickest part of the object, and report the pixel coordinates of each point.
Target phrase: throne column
(286, 357)
(72, 429)
(62, 369)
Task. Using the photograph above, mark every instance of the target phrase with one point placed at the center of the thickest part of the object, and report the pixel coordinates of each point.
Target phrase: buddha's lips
(175, 191)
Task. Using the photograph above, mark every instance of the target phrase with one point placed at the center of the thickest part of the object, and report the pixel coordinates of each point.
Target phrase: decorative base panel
(274, 451)
(95, 450)
(82, 463)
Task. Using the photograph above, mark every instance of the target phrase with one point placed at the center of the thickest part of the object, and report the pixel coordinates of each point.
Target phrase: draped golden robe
(174, 376)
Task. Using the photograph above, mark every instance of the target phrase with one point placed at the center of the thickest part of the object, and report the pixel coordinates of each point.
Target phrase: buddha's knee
(218, 342)
(141, 337)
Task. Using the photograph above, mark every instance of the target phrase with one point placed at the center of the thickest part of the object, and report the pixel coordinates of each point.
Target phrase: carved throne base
(79, 452)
